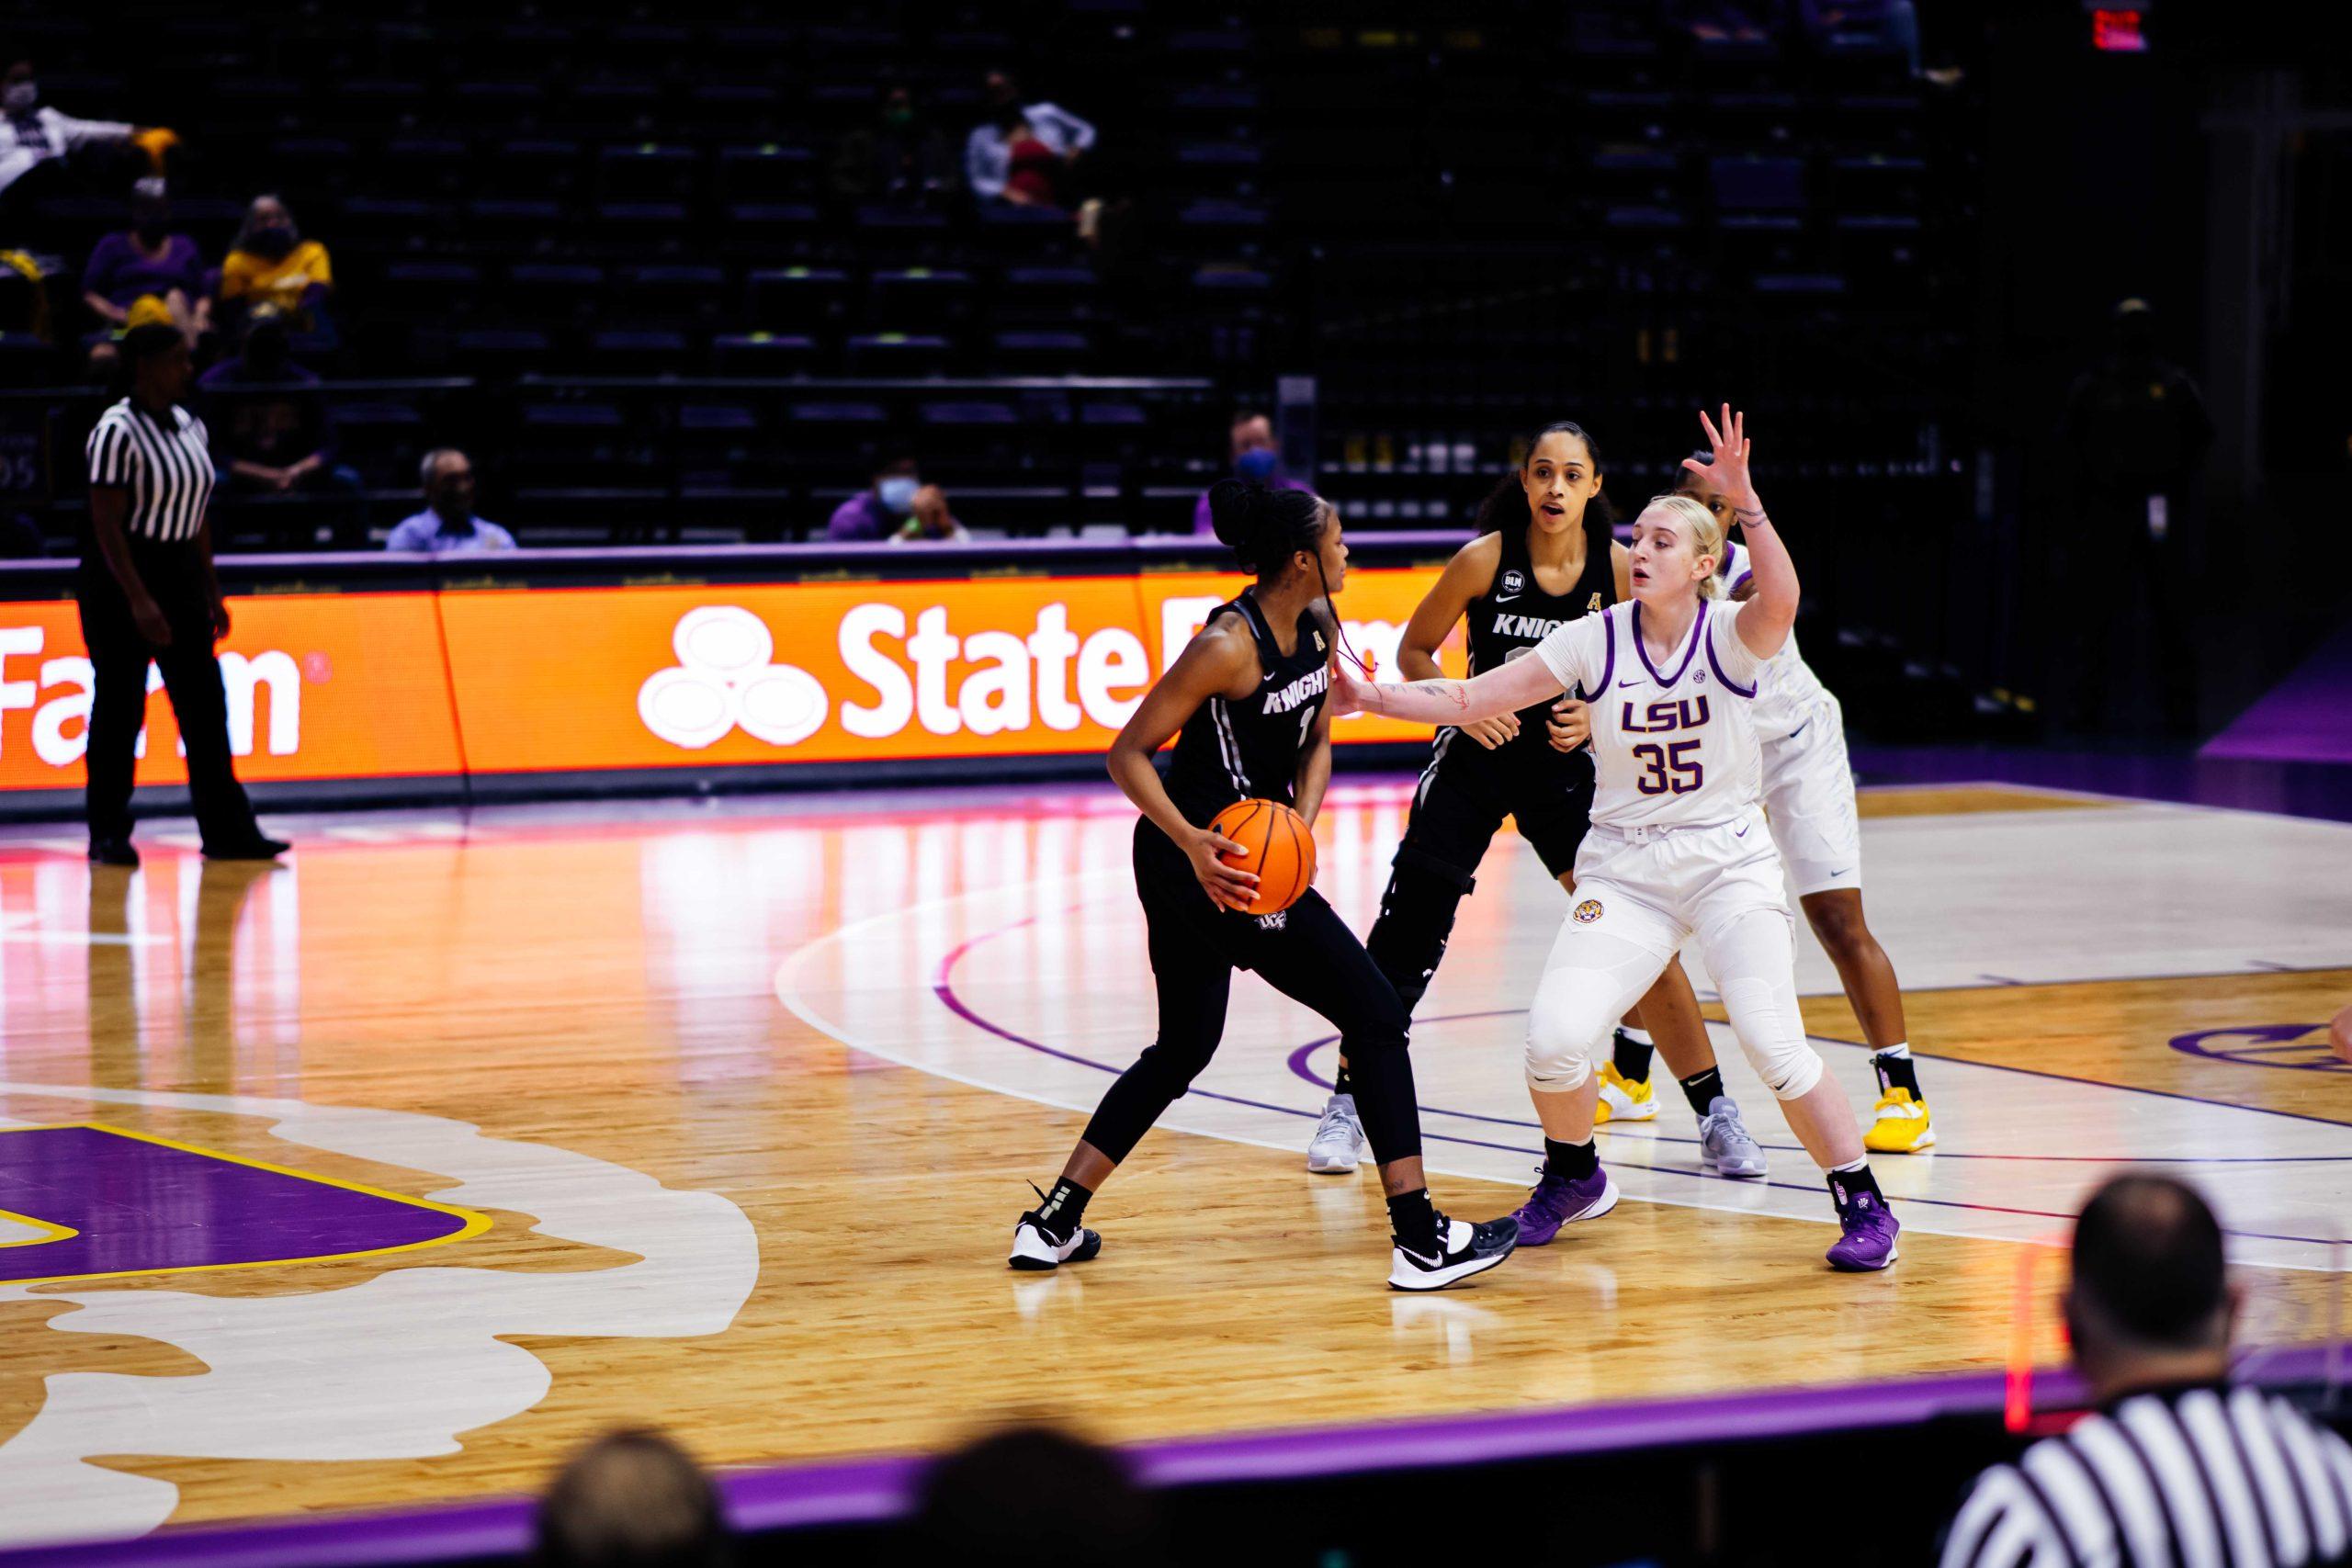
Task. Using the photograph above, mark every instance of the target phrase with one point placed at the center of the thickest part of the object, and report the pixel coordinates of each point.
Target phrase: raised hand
(1729, 470)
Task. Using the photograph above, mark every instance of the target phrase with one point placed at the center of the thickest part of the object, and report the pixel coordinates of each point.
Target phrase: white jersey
(1672, 747)
(1787, 691)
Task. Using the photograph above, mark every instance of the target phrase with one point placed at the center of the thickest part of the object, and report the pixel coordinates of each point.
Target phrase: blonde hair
(1706, 535)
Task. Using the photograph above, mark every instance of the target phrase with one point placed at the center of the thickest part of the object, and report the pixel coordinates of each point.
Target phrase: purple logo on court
(84, 1200)
(2302, 1046)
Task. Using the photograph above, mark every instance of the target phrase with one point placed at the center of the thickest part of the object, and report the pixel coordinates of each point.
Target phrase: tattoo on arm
(1454, 692)
(1749, 515)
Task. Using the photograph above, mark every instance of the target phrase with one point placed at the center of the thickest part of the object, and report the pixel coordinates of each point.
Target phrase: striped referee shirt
(166, 465)
(2202, 1478)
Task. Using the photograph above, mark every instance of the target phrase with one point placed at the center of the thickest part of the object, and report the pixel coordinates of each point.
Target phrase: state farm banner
(583, 679)
(319, 686)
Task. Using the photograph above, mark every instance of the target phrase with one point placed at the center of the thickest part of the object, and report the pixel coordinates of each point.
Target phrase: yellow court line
(55, 1232)
(475, 1221)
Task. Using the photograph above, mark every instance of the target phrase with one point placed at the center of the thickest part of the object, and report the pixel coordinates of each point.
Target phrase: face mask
(1257, 465)
(274, 244)
(898, 494)
(20, 96)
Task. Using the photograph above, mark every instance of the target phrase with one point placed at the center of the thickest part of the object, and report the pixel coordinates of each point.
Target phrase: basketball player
(1248, 703)
(1809, 804)
(1677, 846)
(1545, 556)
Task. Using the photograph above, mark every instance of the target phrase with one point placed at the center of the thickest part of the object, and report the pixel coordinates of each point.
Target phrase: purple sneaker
(1869, 1241)
(1558, 1201)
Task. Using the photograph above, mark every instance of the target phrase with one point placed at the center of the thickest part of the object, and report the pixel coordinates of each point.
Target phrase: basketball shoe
(1035, 1248)
(1870, 1228)
(1465, 1249)
(1623, 1099)
(1557, 1201)
(1337, 1145)
(1725, 1146)
(1901, 1126)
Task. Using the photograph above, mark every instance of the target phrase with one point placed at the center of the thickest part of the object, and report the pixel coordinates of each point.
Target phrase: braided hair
(1264, 528)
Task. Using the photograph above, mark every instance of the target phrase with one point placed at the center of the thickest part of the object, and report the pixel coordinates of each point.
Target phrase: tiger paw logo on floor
(1588, 911)
(725, 678)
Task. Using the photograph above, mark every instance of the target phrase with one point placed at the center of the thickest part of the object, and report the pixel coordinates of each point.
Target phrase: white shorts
(1809, 800)
(1657, 887)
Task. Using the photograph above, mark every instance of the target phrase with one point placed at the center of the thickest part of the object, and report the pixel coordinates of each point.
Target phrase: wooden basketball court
(389, 1175)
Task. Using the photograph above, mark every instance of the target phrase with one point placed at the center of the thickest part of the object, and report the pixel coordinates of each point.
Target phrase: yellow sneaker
(1623, 1099)
(1901, 1126)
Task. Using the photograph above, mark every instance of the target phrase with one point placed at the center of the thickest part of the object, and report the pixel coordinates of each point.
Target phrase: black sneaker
(258, 847)
(1468, 1249)
(1037, 1248)
(113, 851)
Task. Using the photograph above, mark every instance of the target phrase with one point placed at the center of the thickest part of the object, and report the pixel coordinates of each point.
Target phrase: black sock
(1702, 1090)
(1631, 1058)
(1575, 1161)
(1414, 1219)
(1343, 1084)
(1896, 1072)
(1058, 1215)
(1845, 1185)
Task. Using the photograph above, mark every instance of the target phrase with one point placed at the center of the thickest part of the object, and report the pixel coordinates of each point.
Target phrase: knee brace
(1417, 913)
(1771, 1032)
(1565, 1023)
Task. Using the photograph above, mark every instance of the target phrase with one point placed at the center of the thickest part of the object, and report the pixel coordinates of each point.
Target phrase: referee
(2176, 1467)
(148, 593)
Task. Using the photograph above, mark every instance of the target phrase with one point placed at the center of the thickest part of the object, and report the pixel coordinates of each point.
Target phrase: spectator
(36, 140)
(1035, 1498)
(897, 156)
(632, 1499)
(1257, 459)
(148, 258)
(270, 262)
(899, 508)
(447, 523)
(989, 154)
(2149, 1316)
(272, 432)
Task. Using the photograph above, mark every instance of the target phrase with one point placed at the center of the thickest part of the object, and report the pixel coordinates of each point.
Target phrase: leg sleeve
(1753, 960)
(1609, 951)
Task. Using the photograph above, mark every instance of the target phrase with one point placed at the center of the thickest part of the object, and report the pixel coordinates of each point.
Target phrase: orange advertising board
(651, 677)
(319, 686)
(565, 680)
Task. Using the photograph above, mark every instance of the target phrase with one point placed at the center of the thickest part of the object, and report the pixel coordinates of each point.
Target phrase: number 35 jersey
(1673, 745)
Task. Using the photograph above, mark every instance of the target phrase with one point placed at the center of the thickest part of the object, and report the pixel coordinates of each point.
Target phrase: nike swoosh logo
(1424, 1262)
(1505, 598)
(1622, 685)
(1740, 832)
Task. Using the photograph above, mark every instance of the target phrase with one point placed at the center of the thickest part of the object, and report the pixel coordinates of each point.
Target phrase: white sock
(1900, 1050)
(1638, 1036)
(1860, 1162)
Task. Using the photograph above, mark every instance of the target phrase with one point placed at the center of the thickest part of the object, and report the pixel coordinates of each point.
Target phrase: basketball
(1277, 844)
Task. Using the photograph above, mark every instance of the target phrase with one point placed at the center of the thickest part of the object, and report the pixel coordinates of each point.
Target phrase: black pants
(176, 579)
(1306, 951)
(1464, 794)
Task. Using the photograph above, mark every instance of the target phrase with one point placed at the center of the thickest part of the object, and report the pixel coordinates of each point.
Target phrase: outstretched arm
(1522, 682)
(1766, 618)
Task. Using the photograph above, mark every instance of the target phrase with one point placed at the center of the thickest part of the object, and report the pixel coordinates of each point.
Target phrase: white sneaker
(1034, 1250)
(1469, 1249)
(1337, 1147)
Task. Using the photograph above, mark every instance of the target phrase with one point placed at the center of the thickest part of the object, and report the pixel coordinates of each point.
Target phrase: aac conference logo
(725, 677)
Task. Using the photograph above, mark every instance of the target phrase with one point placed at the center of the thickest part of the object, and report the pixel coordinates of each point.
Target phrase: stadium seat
(762, 353)
(898, 354)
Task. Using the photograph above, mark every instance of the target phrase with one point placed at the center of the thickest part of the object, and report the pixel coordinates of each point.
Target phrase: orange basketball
(1277, 844)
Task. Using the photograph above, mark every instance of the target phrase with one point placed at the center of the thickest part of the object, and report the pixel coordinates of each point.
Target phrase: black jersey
(1514, 614)
(1247, 749)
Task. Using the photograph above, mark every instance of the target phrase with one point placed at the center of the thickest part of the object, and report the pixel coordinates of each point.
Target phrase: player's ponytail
(1264, 528)
(1506, 504)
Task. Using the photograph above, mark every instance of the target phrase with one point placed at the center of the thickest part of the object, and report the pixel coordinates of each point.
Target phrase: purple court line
(943, 987)
(841, 1492)
(1300, 1057)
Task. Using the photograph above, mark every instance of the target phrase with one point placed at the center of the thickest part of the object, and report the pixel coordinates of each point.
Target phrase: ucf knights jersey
(1514, 614)
(1247, 749)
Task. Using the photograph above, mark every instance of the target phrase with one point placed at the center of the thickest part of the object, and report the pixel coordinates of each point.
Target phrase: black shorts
(1466, 791)
(1178, 910)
